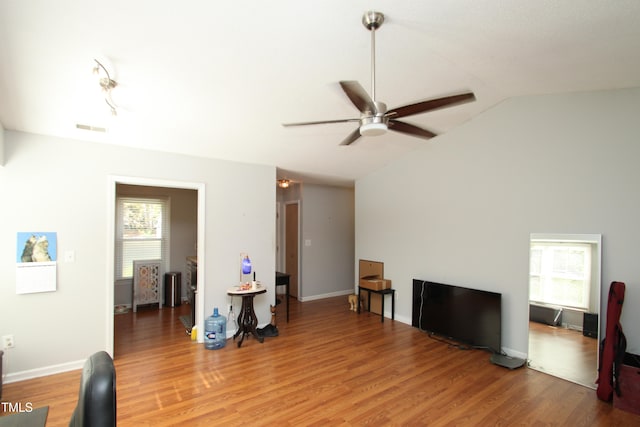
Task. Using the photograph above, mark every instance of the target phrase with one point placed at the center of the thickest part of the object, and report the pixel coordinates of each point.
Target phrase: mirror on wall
(564, 305)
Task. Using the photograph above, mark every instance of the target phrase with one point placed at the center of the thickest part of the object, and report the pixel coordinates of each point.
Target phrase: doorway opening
(114, 181)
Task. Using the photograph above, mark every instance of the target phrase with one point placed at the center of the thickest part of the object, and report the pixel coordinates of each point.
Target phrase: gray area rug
(186, 321)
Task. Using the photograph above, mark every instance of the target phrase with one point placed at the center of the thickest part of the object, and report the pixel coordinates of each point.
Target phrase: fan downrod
(372, 20)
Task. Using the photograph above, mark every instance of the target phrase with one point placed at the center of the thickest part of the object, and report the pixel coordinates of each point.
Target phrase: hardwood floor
(329, 366)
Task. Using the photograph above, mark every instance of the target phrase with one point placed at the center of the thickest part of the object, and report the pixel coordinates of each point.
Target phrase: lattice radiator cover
(147, 282)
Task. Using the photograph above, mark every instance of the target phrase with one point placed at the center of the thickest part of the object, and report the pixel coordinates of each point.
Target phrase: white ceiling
(217, 79)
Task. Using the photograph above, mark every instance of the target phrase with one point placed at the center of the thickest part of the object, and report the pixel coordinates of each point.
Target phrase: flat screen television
(468, 316)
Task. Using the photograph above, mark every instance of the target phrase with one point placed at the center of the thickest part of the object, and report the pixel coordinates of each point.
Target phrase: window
(560, 273)
(142, 232)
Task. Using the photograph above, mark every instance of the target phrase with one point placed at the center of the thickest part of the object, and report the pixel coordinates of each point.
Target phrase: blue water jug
(215, 331)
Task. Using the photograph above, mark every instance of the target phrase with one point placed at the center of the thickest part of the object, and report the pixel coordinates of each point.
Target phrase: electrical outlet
(7, 342)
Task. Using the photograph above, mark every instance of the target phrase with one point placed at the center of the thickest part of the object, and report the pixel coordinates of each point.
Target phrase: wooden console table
(382, 293)
(247, 319)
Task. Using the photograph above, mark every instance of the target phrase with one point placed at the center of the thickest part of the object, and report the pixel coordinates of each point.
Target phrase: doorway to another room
(185, 241)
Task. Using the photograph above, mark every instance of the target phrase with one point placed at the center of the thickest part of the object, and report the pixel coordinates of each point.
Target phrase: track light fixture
(107, 84)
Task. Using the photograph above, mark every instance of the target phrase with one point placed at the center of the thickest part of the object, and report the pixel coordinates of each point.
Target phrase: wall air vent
(91, 128)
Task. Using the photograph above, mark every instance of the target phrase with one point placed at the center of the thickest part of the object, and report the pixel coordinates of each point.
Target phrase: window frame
(120, 240)
(548, 274)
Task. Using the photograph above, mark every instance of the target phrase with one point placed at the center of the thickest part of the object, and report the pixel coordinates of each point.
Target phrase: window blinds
(142, 233)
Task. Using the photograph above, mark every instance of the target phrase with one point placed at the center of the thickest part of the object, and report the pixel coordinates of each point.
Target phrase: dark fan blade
(412, 130)
(359, 97)
(322, 122)
(430, 105)
(351, 137)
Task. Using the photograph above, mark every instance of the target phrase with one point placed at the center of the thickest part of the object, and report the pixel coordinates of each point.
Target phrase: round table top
(235, 290)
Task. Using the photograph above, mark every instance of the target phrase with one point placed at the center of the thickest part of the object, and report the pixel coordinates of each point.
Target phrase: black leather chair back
(97, 400)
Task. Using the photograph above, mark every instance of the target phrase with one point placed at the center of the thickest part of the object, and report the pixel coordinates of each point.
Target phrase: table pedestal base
(247, 320)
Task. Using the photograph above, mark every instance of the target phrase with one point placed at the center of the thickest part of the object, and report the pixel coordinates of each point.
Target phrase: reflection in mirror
(564, 305)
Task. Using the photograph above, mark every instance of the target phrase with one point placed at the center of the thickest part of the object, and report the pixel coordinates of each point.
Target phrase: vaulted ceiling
(218, 79)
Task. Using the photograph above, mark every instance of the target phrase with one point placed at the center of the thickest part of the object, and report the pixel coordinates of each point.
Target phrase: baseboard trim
(329, 295)
(514, 353)
(43, 372)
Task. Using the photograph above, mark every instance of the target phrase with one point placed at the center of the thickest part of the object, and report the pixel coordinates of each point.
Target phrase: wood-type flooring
(328, 367)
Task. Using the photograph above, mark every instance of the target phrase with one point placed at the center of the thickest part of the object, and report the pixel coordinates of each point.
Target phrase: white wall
(1, 145)
(459, 209)
(51, 184)
(328, 241)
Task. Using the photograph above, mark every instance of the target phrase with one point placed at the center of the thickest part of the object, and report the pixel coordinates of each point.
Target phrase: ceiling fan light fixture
(375, 125)
(283, 183)
(107, 84)
(373, 129)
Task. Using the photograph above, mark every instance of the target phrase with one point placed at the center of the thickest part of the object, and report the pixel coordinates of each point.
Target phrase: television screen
(468, 316)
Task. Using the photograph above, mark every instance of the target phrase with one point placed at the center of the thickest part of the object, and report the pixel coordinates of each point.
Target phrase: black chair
(97, 400)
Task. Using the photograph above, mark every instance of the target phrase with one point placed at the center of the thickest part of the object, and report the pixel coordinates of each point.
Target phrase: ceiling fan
(374, 118)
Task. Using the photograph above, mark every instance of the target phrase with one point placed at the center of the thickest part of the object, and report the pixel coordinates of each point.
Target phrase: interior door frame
(280, 254)
(293, 202)
(113, 180)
